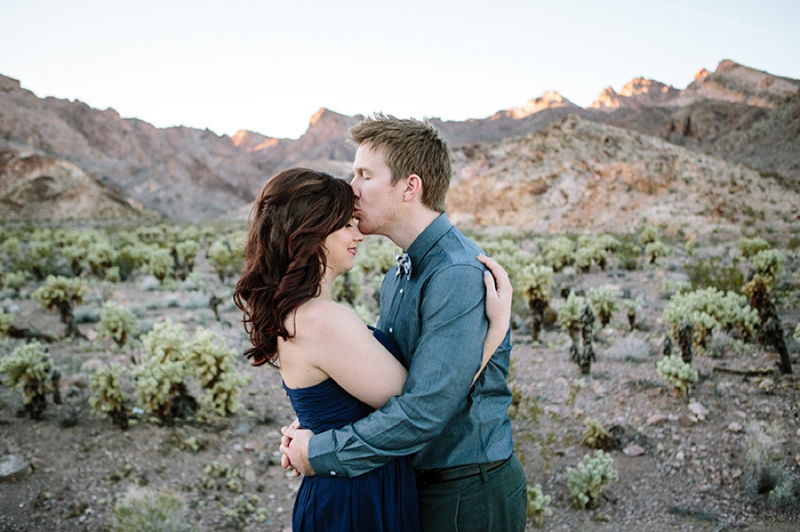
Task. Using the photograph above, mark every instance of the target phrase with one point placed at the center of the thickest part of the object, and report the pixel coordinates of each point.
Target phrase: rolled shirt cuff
(322, 455)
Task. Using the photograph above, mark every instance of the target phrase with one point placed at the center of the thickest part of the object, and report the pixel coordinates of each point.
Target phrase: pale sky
(268, 66)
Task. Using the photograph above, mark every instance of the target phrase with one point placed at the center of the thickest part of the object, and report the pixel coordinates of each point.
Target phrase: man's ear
(413, 187)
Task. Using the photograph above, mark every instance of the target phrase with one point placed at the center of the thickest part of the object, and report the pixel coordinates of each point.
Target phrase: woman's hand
(499, 294)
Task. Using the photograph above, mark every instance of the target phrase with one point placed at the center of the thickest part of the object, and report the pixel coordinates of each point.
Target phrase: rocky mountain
(735, 113)
(578, 175)
(40, 187)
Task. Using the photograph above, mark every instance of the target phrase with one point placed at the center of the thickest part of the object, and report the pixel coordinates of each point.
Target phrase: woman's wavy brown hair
(294, 213)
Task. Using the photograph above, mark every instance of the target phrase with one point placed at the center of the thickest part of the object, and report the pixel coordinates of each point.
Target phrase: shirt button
(333, 473)
(391, 329)
(401, 290)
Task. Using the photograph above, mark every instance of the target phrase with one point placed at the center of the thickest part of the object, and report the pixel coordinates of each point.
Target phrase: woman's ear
(413, 187)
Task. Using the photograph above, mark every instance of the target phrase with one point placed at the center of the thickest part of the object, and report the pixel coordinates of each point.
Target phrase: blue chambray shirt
(437, 317)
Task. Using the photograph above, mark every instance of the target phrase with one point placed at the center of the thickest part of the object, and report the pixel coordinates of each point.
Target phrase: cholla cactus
(132, 255)
(186, 250)
(160, 374)
(768, 264)
(605, 301)
(710, 309)
(677, 372)
(376, 256)
(751, 246)
(160, 263)
(797, 332)
(587, 481)
(559, 252)
(569, 315)
(596, 436)
(224, 258)
(108, 398)
(62, 293)
(6, 319)
(538, 504)
(15, 280)
(100, 256)
(117, 322)
(212, 361)
(648, 235)
(28, 367)
(654, 250)
(536, 282)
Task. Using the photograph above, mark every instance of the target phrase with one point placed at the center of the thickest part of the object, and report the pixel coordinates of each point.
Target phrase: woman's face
(340, 247)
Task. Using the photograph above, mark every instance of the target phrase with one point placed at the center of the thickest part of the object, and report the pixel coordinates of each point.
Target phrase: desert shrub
(655, 250)
(347, 287)
(768, 264)
(763, 471)
(100, 256)
(609, 243)
(117, 322)
(224, 258)
(751, 246)
(538, 504)
(6, 319)
(710, 272)
(41, 259)
(536, 282)
(584, 256)
(14, 280)
(647, 235)
(710, 309)
(631, 307)
(376, 256)
(604, 301)
(108, 399)
(11, 247)
(569, 313)
(630, 348)
(213, 362)
(596, 437)
(132, 255)
(677, 372)
(797, 332)
(160, 263)
(670, 287)
(559, 253)
(160, 374)
(145, 510)
(186, 251)
(587, 481)
(62, 293)
(28, 368)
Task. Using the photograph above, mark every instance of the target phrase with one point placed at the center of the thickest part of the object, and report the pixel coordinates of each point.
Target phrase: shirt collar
(427, 238)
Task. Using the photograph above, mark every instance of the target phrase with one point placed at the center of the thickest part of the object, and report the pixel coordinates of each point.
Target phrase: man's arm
(446, 358)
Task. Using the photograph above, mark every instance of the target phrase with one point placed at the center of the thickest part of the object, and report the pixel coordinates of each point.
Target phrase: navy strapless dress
(382, 500)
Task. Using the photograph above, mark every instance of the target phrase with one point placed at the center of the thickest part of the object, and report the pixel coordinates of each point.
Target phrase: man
(467, 474)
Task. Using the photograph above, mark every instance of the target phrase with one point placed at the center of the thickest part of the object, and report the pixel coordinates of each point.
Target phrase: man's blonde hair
(410, 147)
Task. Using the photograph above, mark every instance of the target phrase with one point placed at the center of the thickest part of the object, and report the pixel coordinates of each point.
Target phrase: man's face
(377, 201)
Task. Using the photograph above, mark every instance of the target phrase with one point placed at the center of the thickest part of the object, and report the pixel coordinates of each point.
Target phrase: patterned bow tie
(403, 265)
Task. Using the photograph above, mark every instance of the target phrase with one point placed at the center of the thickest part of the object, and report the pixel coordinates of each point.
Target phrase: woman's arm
(498, 308)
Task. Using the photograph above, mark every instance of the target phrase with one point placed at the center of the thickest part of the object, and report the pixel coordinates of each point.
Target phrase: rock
(698, 410)
(634, 450)
(735, 427)
(685, 420)
(249, 476)
(13, 467)
(242, 429)
(238, 447)
(656, 419)
(250, 446)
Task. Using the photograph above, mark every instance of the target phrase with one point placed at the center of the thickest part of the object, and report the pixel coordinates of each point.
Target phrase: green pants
(493, 501)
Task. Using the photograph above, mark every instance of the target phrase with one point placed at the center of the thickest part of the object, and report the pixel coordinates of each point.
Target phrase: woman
(334, 369)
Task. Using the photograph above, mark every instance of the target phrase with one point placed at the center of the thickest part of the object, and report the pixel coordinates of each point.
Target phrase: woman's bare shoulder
(322, 316)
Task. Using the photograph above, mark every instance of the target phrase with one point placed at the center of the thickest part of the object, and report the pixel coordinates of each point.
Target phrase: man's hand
(294, 447)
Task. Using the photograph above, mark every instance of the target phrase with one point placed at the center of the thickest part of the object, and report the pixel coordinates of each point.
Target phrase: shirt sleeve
(446, 358)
